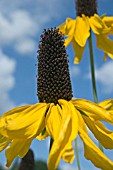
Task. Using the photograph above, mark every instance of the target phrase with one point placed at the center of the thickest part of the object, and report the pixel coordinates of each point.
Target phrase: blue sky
(21, 23)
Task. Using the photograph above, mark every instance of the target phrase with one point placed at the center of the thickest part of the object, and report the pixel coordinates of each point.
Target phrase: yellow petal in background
(17, 148)
(68, 40)
(94, 154)
(70, 26)
(78, 50)
(105, 44)
(102, 134)
(109, 22)
(62, 28)
(82, 29)
(97, 25)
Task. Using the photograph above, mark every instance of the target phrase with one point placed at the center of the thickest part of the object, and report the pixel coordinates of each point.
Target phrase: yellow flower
(56, 115)
(78, 31)
(63, 122)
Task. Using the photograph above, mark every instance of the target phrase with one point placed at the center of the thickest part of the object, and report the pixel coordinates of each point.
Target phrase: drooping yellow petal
(68, 27)
(53, 121)
(93, 153)
(65, 136)
(78, 50)
(62, 28)
(92, 110)
(3, 142)
(16, 110)
(97, 25)
(103, 135)
(82, 29)
(107, 104)
(109, 22)
(25, 124)
(105, 44)
(17, 148)
(60, 142)
(68, 40)
(68, 154)
(42, 136)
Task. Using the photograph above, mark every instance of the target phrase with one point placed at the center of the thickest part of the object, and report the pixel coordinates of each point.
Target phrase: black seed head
(86, 7)
(28, 162)
(53, 81)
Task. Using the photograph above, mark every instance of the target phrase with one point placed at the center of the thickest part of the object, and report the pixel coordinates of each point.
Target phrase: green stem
(77, 155)
(93, 75)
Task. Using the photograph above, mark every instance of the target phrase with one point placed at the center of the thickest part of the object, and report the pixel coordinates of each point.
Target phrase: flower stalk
(77, 154)
(93, 75)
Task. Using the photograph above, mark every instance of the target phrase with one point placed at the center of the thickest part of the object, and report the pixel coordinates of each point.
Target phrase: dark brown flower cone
(53, 82)
(86, 7)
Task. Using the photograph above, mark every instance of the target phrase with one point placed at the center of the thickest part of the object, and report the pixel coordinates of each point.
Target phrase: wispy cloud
(7, 81)
(21, 21)
(74, 70)
(104, 76)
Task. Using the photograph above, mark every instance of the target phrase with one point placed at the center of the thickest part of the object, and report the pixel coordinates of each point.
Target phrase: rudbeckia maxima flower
(56, 115)
(63, 122)
(77, 30)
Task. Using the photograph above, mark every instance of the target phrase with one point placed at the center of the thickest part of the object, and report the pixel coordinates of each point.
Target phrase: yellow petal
(78, 52)
(103, 135)
(105, 44)
(92, 110)
(16, 110)
(53, 121)
(93, 153)
(97, 25)
(107, 104)
(17, 148)
(3, 142)
(65, 135)
(109, 22)
(62, 28)
(42, 136)
(68, 27)
(24, 124)
(68, 40)
(81, 32)
(68, 155)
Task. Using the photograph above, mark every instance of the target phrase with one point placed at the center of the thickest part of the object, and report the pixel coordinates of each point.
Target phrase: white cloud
(104, 75)
(17, 25)
(7, 81)
(74, 70)
(24, 19)
(67, 167)
(25, 46)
